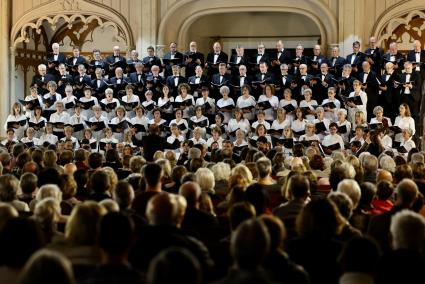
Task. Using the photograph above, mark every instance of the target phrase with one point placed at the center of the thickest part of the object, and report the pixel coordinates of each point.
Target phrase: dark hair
(384, 190)
(95, 160)
(152, 174)
(28, 183)
(19, 239)
(115, 233)
(255, 195)
(48, 175)
(100, 181)
(240, 212)
(360, 254)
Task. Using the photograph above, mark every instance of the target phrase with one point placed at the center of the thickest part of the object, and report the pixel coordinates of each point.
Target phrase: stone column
(4, 59)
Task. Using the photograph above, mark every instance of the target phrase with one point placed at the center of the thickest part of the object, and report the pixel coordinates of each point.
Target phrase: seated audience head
(407, 192)
(205, 179)
(250, 244)
(123, 194)
(352, 189)
(408, 231)
(166, 209)
(360, 255)
(343, 203)
(191, 191)
(116, 234)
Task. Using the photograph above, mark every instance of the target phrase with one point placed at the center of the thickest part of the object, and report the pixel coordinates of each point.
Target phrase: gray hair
(408, 230)
(224, 89)
(378, 109)
(387, 163)
(352, 189)
(49, 190)
(221, 171)
(205, 179)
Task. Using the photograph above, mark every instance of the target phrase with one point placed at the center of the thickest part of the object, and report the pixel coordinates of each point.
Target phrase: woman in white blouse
(130, 100)
(37, 121)
(186, 98)
(180, 122)
(272, 99)
(309, 104)
(298, 125)
(165, 103)
(17, 120)
(207, 103)
(119, 118)
(281, 120)
(344, 124)
(226, 104)
(287, 100)
(331, 112)
(404, 120)
(35, 98)
(149, 104)
(378, 111)
(48, 135)
(88, 99)
(246, 103)
(109, 101)
(352, 107)
(238, 122)
(309, 133)
(69, 100)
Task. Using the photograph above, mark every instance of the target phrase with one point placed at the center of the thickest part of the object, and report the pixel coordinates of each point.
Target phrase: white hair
(417, 158)
(205, 179)
(343, 111)
(221, 171)
(370, 163)
(352, 189)
(243, 171)
(408, 230)
(47, 211)
(49, 190)
(387, 163)
(110, 205)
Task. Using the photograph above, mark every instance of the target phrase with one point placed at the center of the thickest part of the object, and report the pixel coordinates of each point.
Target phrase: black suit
(320, 92)
(356, 62)
(99, 89)
(316, 62)
(42, 83)
(336, 64)
(64, 80)
(297, 61)
(80, 60)
(119, 62)
(300, 81)
(50, 58)
(414, 98)
(389, 98)
(134, 77)
(171, 83)
(216, 84)
(178, 56)
(376, 55)
(80, 84)
(234, 69)
(212, 68)
(282, 84)
(202, 82)
(399, 61)
(148, 62)
(236, 82)
(93, 65)
(190, 66)
(372, 90)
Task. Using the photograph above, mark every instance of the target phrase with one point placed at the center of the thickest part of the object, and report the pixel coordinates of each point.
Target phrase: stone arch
(70, 11)
(399, 14)
(182, 15)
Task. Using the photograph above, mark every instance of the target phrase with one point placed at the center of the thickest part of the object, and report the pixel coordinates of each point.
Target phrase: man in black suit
(193, 58)
(96, 62)
(394, 57)
(388, 96)
(134, 58)
(261, 56)
(150, 60)
(317, 60)
(262, 78)
(99, 84)
(283, 56)
(138, 77)
(356, 59)
(173, 57)
(374, 55)
(41, 79)
(119, 81)
(54, 58)
(199, 80)
(409, 89)
(81, 81)
(240, 80)
(417, 57)
(63, 79)
(371, 87)
(299, 59)
(220, 79)
(214, 58)
(114, 61)
(320, 85)
(303, 78)
(74, 61)
(174, 80)
(336, 62)
(238, 59)
(284, 80)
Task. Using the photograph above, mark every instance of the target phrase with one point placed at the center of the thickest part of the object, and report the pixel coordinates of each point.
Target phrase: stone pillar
(4, 59)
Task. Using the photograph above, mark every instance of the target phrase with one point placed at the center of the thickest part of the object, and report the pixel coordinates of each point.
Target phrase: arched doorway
(179, 20)
(71, 22)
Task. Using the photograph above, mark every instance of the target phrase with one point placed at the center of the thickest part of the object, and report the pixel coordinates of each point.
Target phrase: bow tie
(260, 55)
(197, 77)
(417, 52)
(242, 76)
(408, 73)
(217, 53)
(176, 77)
(367, 73)
(284, 76)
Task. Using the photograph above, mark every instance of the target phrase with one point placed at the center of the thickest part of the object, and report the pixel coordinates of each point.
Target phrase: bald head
(384, 175)
(191, 191)
(407, 192)
(166, 209)
(70, 169)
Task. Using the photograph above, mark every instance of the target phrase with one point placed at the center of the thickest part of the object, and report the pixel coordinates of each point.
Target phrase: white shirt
(333, 139)
(404, 123)
(265, 123)
(223, 103)
(281, 125)
(216, 58)
(242, 124)
(274, 102)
